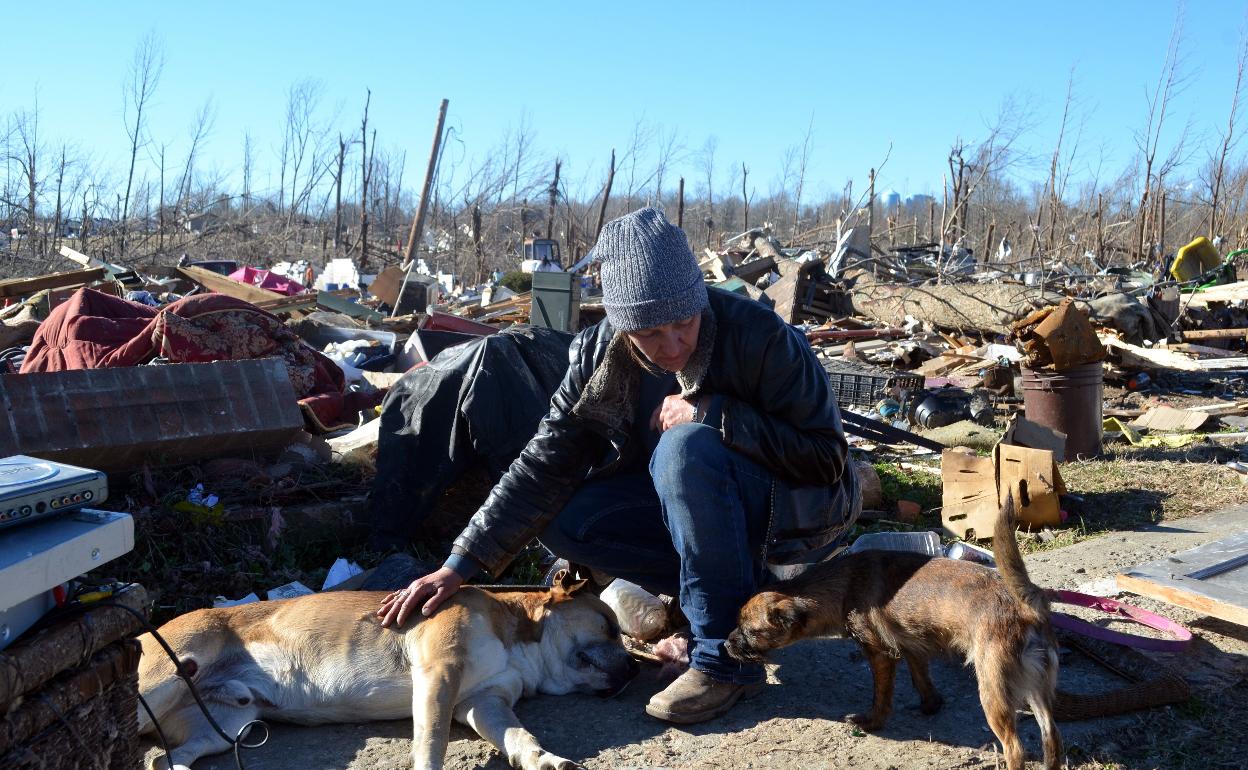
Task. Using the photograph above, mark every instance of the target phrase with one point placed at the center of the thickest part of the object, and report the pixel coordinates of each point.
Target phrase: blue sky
(913, 75)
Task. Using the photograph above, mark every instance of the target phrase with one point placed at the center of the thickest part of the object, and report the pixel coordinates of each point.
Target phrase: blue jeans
(693, 528)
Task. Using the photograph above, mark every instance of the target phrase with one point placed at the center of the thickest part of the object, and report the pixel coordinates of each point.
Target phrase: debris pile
(315, 379)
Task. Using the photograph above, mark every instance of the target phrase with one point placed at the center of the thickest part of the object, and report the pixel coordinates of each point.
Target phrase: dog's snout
(739, 648)
(613, 661)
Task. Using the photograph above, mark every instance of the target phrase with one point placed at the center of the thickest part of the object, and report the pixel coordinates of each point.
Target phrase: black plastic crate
(861, 385)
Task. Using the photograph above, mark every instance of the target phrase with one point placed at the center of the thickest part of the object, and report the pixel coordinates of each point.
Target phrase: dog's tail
(1030, 597)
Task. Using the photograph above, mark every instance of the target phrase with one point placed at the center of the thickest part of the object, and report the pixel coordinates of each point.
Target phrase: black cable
(160, 733)
(237, 741)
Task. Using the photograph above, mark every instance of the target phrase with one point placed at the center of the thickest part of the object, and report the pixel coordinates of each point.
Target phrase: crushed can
(967, 552)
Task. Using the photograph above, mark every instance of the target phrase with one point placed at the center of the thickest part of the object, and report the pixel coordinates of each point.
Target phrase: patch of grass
(1123, 492)
(901, 484)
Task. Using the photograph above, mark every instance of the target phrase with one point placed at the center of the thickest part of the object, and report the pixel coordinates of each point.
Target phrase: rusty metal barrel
(1069, 401)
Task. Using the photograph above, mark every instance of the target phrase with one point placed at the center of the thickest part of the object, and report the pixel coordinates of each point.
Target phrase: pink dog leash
(1182, 637)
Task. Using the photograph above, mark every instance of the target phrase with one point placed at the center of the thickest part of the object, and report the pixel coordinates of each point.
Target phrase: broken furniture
(806, 292)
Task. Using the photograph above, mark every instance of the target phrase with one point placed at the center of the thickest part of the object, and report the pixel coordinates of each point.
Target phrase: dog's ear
(564, 586)
(529, 615)
(785, 613)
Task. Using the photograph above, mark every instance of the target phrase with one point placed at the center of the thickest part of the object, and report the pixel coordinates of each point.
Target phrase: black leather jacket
(777, 409)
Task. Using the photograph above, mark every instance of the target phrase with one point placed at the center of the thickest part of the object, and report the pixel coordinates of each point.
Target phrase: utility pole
(418, 222)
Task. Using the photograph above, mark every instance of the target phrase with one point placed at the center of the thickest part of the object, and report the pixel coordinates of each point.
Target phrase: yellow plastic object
(1195, 259)
(1172, 440)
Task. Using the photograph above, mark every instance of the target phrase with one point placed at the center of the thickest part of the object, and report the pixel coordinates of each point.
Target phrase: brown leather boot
(696, 697)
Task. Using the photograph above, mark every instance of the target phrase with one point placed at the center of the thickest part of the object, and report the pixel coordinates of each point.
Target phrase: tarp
(476, 404)
(267, 279)
(93, 330)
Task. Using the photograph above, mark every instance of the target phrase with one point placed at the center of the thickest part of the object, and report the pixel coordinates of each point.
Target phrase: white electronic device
(31, 488)
(36, 558)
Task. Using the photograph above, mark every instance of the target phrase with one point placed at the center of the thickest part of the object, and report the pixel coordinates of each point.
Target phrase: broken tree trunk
(986, 308)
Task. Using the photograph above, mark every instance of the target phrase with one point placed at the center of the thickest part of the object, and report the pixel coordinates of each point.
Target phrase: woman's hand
(672, 412)
(437, 587)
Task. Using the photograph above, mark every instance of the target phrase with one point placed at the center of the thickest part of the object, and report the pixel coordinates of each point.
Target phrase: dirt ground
(799, 721)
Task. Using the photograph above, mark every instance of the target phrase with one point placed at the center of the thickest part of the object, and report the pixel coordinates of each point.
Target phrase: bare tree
(248, 166)
(745, 175)
(669, 153)
(299, 147)
(974, 165)
(27, 157)
(200, 128)
(61, 168)
(640, 139)
(706, 163)
(1217, 170)
(1051, 196)
(342, 156)
(1169, 83)
(140, 84)
(803, 159)
(366, 177)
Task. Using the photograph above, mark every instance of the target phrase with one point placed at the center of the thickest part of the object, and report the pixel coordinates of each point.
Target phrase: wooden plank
(1211, 579)
(1202, 351)
(1223, 607)
(228, 286)
(1230, 408)
(286, 304)
(1167, 419)
(1215, 334)
(19, 287)
(1152, 359)
(89, 261)
(521, 301)
(1229, 292)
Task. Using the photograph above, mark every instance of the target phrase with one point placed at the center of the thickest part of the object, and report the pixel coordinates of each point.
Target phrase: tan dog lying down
(325, 658)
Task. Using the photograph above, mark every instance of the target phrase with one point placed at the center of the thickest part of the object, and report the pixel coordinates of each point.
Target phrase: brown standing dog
(906, 605)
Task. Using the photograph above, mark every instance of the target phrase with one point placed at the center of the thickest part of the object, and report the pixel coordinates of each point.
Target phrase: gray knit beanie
(649, 275)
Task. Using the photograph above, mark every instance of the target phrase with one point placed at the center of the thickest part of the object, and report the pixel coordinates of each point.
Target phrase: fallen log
(965, 307)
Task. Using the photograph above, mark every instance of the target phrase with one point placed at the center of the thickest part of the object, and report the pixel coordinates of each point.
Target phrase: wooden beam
(20, 287)
(1184, 579)
(1215, 334)
(287, 304)
(228, 286)
(89, 261)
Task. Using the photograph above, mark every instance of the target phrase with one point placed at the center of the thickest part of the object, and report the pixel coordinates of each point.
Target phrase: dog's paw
(931, 705)
(865, 722)
(549, 761)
